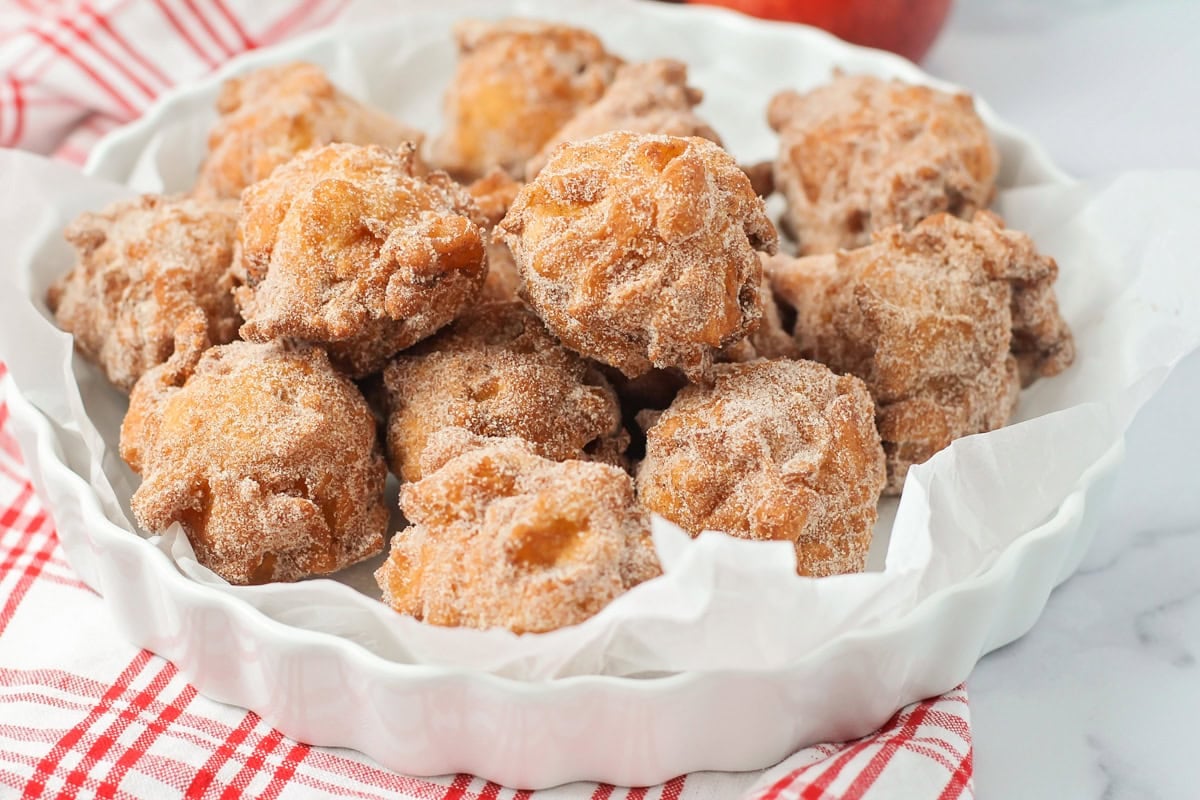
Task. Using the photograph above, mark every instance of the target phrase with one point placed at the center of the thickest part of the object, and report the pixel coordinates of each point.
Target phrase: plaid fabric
(82, 713)
(72, 71)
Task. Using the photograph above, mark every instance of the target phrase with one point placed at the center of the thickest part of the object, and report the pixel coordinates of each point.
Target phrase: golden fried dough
(769, 340)
(273, 113)
(860, 154)
(503, 282)
(648, 97)
(640, 250)
(265, 455)
(518, 81)
(501, 537)
(935, 320)
(494, 193)
(496, 371)
(346, 247)
(150, 281)
(762, 177)
(781, 450)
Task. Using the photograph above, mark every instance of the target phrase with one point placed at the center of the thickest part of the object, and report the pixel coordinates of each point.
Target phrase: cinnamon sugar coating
(647, 97)
(936, 321)
(497, 372)
(265, 455)
(346, 247)
(518, 81)
(503, 282)
(501, 537)
(769, 340)
(271, 114)
(783, 450)
(494, 193)
(150, 281)
(641, 250)
(762, 177)
(861, 154)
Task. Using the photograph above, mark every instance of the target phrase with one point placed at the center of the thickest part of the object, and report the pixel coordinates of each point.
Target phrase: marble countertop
(1100, 699)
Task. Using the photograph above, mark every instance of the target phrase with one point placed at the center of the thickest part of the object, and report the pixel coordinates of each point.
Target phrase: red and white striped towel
(71, 71)
(82, 713)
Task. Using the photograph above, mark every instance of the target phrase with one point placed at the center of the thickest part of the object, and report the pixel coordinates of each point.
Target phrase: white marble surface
(1101, 698)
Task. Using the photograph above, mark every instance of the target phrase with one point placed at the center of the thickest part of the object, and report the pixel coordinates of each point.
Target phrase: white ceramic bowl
(326, 690)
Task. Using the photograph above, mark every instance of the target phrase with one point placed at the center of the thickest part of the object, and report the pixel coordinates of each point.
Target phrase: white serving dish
(327, 690)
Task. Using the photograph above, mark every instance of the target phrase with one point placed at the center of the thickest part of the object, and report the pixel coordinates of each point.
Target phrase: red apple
(907, 27)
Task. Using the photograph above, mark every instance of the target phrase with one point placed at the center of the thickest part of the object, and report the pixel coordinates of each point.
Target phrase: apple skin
(907, 27)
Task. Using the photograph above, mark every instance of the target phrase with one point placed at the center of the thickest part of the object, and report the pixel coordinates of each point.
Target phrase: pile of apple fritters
(568, 312)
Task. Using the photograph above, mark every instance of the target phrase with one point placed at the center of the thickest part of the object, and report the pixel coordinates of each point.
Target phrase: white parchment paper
(1127, 248)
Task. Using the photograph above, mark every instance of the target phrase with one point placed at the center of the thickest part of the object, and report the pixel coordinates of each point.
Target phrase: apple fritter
(501, 537)
(518, 81)
(861, 154)
(497, 371)
(150, 282)
(265, 455)
(269, 115)
(345, 246)
(647, 97)
(939, 321)
(783, 450)
(641, 250)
